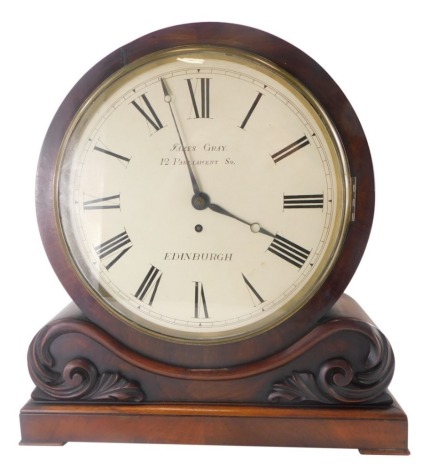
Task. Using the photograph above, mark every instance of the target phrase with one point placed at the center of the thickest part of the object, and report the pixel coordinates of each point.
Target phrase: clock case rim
(351, 136)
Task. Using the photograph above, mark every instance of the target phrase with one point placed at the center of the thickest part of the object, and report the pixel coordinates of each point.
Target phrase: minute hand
(254, 226)
(168, 100)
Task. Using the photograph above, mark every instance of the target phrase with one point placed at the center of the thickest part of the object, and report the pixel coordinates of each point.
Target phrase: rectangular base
(370, 430)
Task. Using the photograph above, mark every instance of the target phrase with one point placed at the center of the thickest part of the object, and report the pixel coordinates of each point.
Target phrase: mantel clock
(205, 194)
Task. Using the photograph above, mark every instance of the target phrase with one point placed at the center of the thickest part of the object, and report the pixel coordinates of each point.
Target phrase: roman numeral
(290, 149)
(254, 294)
(149, 285)
(200, 306)
(112, 247)
(304, 201)
(111, 154)
(251, 110)
(108, 202)
(203, 112)
(289, 251)
(149, 114)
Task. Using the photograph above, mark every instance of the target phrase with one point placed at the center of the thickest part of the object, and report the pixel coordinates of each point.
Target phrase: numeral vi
(200, 305)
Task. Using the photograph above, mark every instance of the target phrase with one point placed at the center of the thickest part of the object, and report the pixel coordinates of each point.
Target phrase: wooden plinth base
(370, 430)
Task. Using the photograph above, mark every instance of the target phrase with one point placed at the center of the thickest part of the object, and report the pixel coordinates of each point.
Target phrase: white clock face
(202, 195)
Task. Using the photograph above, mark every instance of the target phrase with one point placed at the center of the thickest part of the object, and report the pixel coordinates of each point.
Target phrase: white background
(377, 52)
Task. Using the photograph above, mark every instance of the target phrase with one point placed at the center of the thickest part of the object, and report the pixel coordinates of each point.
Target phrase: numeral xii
(201, 106)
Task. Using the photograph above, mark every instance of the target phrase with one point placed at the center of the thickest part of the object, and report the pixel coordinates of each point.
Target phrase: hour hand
(255, 227)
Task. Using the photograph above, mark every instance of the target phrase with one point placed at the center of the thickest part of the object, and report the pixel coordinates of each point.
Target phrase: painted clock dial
(203, 194)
